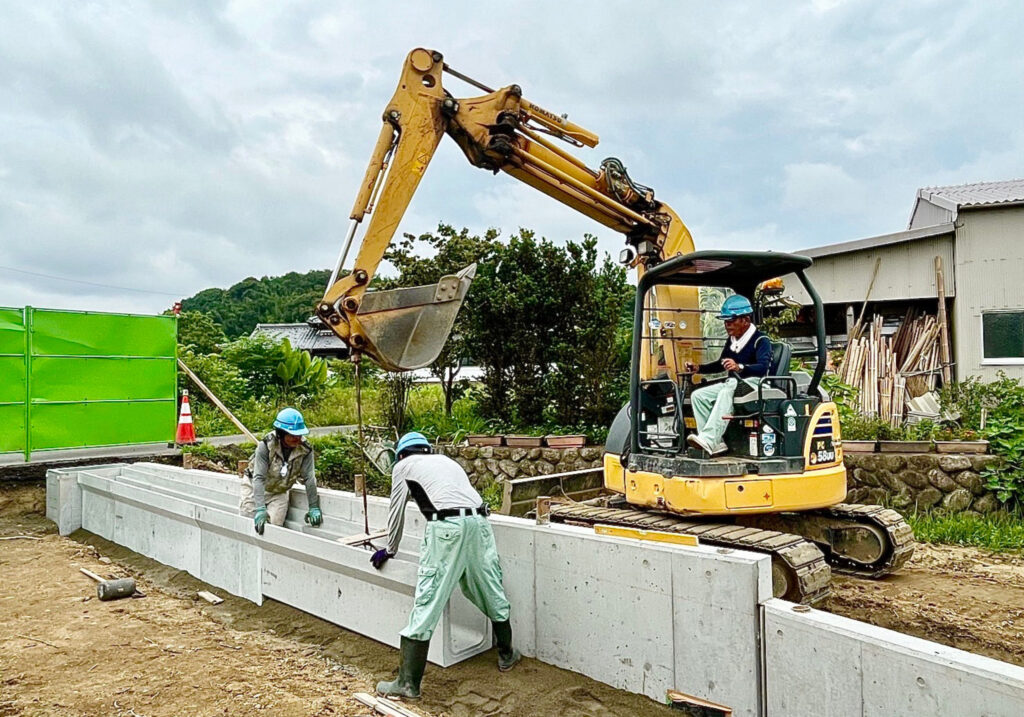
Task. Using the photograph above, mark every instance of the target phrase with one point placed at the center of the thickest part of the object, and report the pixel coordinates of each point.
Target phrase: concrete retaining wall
(643, 617)
(822, 664)
(488, 465)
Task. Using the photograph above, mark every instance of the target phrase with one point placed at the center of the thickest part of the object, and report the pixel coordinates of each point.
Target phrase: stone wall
(489, 464)
(923, 481)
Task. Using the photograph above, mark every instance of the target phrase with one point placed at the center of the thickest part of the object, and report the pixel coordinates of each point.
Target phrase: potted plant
(967, 441)
(478, 439)
(521, 441)
(569, 441)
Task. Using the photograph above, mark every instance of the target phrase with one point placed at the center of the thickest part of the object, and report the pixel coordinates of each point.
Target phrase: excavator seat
(778, 385)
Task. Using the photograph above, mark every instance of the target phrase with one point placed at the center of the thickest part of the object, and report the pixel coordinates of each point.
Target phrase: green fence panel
(82, 379)
(68, 333)
(102, 379)
(12, 380)
(80, 425)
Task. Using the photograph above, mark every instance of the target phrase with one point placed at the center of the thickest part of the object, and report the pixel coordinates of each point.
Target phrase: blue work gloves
(261, 519)
(380, 557)
(314, 517)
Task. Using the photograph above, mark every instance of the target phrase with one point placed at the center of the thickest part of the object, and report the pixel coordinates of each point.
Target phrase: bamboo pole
(940, 287)
(860, 319)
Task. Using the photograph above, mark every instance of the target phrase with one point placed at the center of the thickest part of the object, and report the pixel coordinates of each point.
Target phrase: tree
(450, 252)
(198, 331)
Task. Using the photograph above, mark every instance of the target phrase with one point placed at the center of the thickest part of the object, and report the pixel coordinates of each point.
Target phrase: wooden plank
(384, 706)
(657, 536)
(216, 402)
(360, 538)
(210, 597)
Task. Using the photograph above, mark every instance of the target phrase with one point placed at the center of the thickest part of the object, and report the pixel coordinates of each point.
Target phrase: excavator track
(800, 572)
(868, 541)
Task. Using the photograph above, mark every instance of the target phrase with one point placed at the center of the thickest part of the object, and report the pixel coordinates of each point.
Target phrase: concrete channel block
(818, 663)
(64, 499)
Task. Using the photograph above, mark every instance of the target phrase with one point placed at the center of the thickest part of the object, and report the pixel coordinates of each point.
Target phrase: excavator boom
(499, 131)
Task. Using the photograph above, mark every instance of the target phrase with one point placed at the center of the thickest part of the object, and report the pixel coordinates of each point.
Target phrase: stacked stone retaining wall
(487, 465)
(924, 481)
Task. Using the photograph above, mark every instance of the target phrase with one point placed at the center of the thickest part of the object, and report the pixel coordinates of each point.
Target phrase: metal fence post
(27, 321)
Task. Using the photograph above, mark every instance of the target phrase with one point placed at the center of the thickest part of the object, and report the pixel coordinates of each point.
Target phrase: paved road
(136, 452)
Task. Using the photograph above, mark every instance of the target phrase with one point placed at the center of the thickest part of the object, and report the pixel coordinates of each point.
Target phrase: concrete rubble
(640, 616)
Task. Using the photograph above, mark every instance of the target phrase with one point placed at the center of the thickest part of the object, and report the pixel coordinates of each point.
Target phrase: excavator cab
(783, 435)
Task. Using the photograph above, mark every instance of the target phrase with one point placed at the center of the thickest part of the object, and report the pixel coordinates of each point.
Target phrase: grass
(998, 532)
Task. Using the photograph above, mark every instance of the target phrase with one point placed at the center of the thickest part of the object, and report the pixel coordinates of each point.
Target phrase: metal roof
(308, 336)
(979, 194)
(882, 240)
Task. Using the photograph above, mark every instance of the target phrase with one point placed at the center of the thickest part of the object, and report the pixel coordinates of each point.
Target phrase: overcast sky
(171, 146)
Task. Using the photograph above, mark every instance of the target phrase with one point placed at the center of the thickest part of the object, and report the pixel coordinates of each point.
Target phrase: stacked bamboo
(889, 370)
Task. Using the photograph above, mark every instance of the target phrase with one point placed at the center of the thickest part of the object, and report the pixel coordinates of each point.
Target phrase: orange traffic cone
(186, 431)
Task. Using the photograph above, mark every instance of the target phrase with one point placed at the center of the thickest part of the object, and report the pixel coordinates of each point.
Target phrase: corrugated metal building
(978, 231)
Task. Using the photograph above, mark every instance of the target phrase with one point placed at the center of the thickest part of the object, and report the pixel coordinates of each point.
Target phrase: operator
(281, 458)
(458, 549)
(748, 356)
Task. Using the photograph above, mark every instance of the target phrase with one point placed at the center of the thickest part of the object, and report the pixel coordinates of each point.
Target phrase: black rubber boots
(508, 656)
(410, 671)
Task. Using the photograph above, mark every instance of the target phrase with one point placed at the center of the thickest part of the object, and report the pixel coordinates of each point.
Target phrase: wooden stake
(217, 402)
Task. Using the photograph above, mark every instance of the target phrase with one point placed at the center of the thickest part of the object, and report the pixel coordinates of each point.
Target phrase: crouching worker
(281, 458)
(747, 357)
(458, 549)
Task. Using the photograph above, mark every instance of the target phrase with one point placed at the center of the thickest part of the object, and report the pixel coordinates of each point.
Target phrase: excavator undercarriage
(861, 540)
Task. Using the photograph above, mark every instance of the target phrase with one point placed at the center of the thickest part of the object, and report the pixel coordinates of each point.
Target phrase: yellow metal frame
(420, 113)
(657, 536)
(751, 493)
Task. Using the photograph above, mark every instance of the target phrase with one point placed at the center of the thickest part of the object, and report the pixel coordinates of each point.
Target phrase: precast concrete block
(716, 621)
(229, 555)
(604, 608)
(206, 479)
(514, 538)
(209, 497)
(819, 663)
(337, 583)
(64, 499)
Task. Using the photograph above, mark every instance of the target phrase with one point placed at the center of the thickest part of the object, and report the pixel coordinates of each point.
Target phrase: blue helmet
(409, 440)
(290, 421)
(734, 306)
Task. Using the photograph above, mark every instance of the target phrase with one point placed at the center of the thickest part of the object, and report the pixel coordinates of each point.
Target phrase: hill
(271, 299)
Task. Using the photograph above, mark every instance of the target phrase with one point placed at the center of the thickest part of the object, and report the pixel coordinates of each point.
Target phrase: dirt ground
(63, 652)
(963, 597)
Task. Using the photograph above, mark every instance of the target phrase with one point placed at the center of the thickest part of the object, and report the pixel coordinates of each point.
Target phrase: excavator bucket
(407, 328)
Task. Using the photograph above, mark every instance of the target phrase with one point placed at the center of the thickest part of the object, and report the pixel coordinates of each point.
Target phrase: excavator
(779, 491)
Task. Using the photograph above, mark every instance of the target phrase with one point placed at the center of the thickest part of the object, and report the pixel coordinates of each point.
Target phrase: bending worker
(281, 458)
(748, 355)
(458, 549)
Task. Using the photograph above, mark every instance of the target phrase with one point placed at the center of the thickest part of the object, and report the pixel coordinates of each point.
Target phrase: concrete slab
(822, 664)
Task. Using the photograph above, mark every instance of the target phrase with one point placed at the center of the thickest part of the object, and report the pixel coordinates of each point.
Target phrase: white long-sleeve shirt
(435, 482)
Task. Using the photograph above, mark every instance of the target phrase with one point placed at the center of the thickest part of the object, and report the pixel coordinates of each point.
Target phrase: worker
(746, 357)
(458, 549)
(281, 458)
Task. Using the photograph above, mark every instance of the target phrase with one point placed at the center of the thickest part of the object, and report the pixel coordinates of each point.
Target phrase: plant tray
(524, 441)
(859, 446)
(905, 446)
(574, 441)
(481, 440)
(961, 446)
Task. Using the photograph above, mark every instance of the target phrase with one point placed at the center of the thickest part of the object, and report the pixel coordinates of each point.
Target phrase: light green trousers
(710, 406)
(456, 551)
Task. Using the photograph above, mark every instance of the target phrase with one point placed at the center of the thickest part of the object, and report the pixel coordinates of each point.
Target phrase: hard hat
(290, 421)
(734, 306)
(409, 440)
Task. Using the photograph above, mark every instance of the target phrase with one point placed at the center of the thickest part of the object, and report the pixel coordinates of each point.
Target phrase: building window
(1002, 336)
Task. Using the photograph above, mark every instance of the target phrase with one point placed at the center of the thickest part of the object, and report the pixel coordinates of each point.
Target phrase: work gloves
(314, 517)
(261, 519)
(380, 557)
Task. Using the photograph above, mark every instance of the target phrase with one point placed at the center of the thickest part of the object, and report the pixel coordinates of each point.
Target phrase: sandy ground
(963, 597)
(65, 653)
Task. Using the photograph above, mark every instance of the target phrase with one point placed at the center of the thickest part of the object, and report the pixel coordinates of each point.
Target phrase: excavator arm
(499, 131)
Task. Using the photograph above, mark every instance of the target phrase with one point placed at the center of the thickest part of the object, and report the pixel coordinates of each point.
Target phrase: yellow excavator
(779, 490)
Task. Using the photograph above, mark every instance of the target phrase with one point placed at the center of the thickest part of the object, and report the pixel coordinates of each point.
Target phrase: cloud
(175, 146)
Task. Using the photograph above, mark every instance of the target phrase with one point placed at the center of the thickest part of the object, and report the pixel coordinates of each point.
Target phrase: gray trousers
(277, 503)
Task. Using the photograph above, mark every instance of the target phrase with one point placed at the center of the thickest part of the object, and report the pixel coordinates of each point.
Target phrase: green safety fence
(72, 379)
